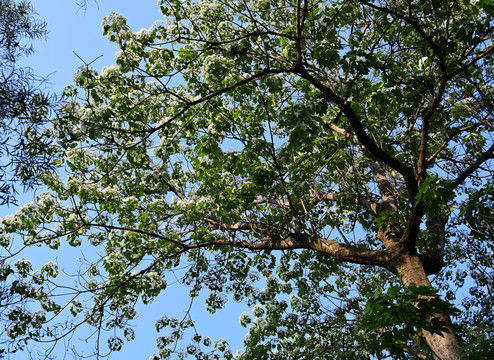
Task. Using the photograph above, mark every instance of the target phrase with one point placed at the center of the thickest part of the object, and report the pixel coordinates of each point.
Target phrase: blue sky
(72, 29)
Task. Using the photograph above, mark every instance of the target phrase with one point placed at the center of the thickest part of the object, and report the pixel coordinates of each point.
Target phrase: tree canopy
(338, 151)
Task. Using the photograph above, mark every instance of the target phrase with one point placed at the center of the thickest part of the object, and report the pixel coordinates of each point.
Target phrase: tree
(23, 105)
(342, 150)
(24, 108)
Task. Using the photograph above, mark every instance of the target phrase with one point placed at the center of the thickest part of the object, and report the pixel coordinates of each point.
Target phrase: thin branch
(435, 47)
(480, 56)
(489, 154)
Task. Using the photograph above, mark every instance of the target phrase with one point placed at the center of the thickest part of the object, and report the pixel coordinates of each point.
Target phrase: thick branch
(339, 251)
(385, 188)
(412, 228)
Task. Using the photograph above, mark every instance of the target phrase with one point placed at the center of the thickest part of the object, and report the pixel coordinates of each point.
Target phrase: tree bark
(410, 270)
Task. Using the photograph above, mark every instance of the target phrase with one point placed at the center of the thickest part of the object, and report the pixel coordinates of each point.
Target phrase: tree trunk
(411, 272)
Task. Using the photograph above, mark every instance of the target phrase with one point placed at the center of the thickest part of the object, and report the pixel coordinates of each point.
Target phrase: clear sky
(71, 29)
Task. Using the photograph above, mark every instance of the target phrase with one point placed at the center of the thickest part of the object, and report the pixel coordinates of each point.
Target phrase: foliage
(23, 106)
(396, 316)
(331, 149)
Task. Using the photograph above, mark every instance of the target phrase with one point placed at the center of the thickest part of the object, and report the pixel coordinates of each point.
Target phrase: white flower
(108, 70)
(142, 33)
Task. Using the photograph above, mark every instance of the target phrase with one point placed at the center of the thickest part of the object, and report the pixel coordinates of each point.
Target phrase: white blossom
(107, 70)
